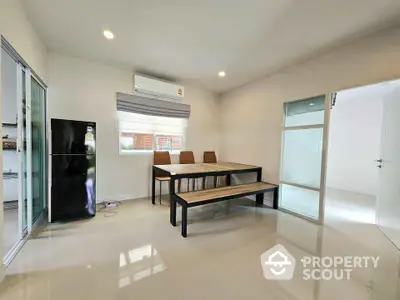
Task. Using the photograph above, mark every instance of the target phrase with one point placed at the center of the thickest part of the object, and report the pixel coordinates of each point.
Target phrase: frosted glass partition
(300, 200)
(302, 157)
(305, 112)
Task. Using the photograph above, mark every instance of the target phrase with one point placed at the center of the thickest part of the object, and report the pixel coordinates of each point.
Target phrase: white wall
(355, 138)
(83, 90)
(16, 28)
(251, 116)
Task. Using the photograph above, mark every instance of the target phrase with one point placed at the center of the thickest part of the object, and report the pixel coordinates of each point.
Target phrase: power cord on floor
(109, 208)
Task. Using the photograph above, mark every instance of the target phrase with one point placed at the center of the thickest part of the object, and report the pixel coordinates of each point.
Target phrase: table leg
(259, 175)
(228, 179)
(259, 197)
(276, 197)
(160, 190)
(153, 187)
(172, 206)
(184, 221)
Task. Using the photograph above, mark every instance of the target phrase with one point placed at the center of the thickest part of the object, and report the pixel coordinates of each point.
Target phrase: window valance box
(153, 107)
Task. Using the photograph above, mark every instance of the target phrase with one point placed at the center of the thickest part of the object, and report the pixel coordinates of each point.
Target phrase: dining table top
(179, 169)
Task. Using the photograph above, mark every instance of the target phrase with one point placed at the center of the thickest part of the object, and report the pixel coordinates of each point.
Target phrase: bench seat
(219, 194)
(196, 198)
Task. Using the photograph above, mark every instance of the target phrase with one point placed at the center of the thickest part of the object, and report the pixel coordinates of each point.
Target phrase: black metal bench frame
(185, 205)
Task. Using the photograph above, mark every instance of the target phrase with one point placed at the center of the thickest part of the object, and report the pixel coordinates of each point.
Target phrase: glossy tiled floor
(10, 229)
(136, 254)
(343, 206)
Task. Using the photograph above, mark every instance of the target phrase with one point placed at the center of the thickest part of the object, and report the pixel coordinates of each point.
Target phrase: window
(136, 141)
(169, 142)
(143, 133)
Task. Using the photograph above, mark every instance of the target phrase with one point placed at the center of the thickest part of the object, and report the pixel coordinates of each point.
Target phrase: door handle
(379, 160)
(379, 166)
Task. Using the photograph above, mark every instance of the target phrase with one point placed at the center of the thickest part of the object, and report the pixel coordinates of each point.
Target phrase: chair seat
(163, 178)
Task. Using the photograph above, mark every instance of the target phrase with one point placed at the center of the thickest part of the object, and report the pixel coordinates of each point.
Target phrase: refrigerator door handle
(50, 184)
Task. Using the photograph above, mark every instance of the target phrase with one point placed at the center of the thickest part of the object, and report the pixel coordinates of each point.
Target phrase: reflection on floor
(10, 229)
(346, 206)
(136, 254)
(352, 214)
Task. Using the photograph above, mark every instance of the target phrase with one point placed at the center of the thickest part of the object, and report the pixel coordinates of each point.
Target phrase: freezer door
(73, 190)
(73, 137)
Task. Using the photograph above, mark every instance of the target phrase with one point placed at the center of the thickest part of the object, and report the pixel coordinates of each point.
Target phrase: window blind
(134, 122)
(152, 107)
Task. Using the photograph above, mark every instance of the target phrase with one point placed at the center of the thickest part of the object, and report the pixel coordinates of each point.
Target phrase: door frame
(324, 154)
(20, 152)
(28, 95)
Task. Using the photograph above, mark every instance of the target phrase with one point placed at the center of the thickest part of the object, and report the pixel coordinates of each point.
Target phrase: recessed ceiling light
(221, 74)
(108, 34)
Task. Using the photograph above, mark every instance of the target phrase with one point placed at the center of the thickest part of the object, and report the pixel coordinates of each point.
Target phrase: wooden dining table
(179, 171)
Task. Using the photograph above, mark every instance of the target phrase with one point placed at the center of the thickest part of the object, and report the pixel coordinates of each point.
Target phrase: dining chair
(186, 157)
(161, 158)
(210, 158)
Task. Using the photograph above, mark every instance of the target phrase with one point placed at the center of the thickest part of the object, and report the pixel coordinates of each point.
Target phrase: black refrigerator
(73, 170)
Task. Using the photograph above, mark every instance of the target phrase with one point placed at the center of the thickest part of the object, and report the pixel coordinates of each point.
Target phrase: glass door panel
(303, 156)
(305, 112)
(22, 152)
(9, 93)
(14, 155)
(300, 200)
(38, 148)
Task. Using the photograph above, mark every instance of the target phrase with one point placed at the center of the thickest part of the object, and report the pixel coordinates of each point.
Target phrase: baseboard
(121, 198)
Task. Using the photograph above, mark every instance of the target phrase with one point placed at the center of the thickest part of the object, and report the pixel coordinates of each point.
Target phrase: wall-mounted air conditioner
(157, 89)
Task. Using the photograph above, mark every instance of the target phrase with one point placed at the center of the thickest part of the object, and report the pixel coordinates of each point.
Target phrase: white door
(388, 204)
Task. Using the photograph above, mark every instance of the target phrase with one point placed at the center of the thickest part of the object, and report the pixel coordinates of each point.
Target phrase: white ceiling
(193, 40)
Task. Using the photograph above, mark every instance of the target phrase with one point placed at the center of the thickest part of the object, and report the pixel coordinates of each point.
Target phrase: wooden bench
(196, 198)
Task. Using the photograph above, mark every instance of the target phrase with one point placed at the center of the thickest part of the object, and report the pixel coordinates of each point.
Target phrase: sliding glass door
(303, 157)
(38, 142)
(14, 154)
(23, 100)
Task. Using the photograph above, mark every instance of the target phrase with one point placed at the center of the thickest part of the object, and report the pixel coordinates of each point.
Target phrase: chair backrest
(186, 157)
(210, 157)
(161, 158)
